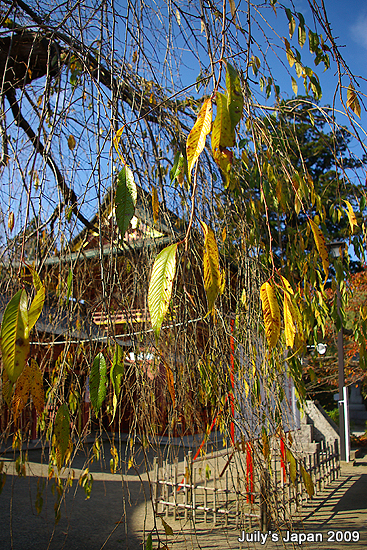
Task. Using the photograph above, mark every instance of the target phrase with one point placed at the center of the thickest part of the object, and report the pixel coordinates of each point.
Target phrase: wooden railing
(217, 489)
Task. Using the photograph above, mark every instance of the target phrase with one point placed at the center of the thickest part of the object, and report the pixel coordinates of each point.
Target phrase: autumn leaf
(36, 389)
(222, 134)
(292, 466)
(155, 204)
(271, 313)
(352, 101)
(38, 301)
(321, 247)
(160, 286)
(22, 391)
(71, 143)
(62, 434)
(11, 221)
(213, 281)
(170, 383)
(197, 137)
(307, 481)
(98, 382)
(351, 217)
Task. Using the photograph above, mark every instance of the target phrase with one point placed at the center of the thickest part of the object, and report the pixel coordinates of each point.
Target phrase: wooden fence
(224, 488)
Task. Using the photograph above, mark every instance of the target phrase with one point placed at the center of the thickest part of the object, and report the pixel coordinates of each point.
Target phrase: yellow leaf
(321, 247)
(155, 204)
(351, 217)
(11, 221)
(307, 481)
(271, 313)
(196, 139)
(116, 142)
(352, 101)
(289, 325)
(213, 282)
(224, 234)
(160, 286)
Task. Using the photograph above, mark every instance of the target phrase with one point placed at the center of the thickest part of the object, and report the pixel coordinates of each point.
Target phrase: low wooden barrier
(217, 488)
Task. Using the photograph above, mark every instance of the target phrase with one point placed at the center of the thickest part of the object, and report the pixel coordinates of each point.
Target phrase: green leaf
(179, 168)
(125, 199)
(234, 95)
(149, 544)
(15, 336)
(38, 301)
(160, 286)
(97, 382)
(167, 528)
(117, 370)
(62, 433)
(291, 21)
(222, 133)
(313, 39)
(301, 36)
(69, 284)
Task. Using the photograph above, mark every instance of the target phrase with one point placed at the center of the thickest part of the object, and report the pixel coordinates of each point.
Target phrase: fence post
(156, 483)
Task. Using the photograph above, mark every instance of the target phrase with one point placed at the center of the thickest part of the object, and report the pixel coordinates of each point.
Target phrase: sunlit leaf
(212, 275)
(271, 313)
(197, 137)
(294, 86)
(98, 382)
(222, 133)
(125, 199)
(352, 101)
(234, 94)
(291, 22)
(38, 301)
(15, 335)
(321, 247)
(160, 286)
(155, 204)
(289, 323)
(116, 142)
(307, 481)
(233, 7)
(351, 217)
(301, 35)
(11, 221)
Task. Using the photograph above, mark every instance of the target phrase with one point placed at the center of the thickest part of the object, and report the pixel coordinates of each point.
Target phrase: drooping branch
(67, 193)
